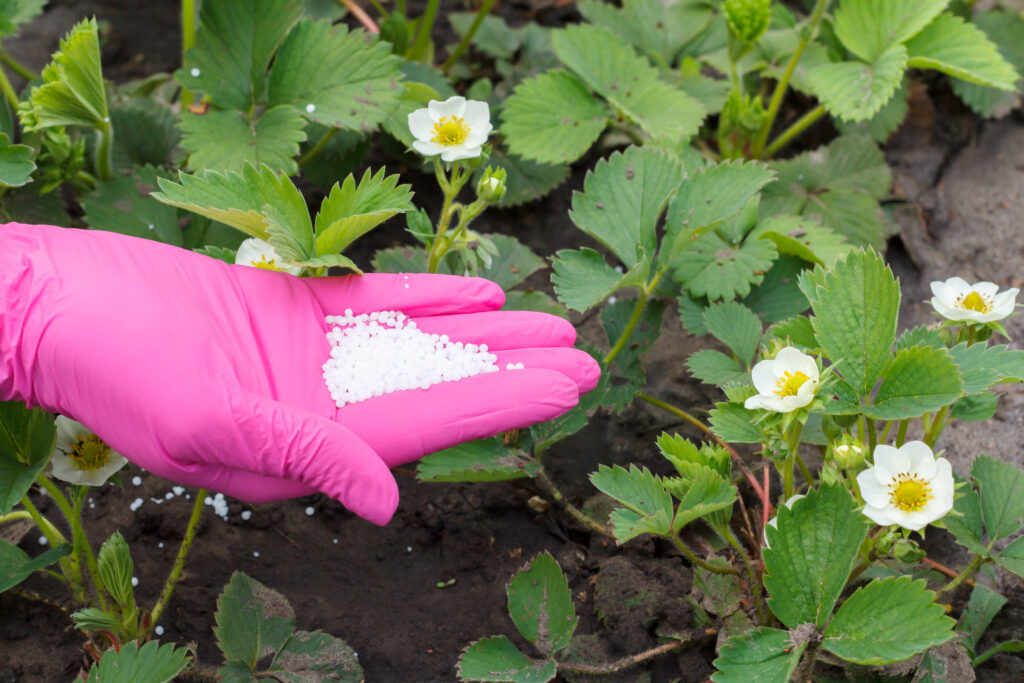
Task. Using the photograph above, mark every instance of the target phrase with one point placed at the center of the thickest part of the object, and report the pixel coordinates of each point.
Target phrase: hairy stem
(696, 561)
(81, 540)
(8, 90)
(755, 582)
(179, 562)
(426, 25)
(623, 663)
(460, 49)
(318, 147)
(623, 339)
(361, 16)
(559, 499)
(16, 66)
(798, 126)
(188, 39)
(968, 571)
(104, 144)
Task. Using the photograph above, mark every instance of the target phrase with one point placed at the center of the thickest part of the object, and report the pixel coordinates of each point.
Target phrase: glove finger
(578, 365)
(415, 294)
(503, 330)
(404, 426)
(244, 485)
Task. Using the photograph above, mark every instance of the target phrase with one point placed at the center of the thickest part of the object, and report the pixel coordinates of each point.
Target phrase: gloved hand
(211, 375)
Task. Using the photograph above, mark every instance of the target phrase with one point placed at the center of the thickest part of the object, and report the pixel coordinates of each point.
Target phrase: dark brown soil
(378, 588)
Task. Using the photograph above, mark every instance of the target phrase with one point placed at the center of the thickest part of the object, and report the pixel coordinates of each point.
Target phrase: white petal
(1005, 302)
(879, 516)
(453, 106)
(421, 125)
(958, 286)
(764, 378)
(477, 139)
(427, 149)
(919, 454)
(460, 152)
(943, 485)
(988, 289)
(794, 402)
(791, 360)
(68, 433)
(478, 114)
(64, 469)
(874, 494)
(889, 462)
(909, 520)
(808, 388)
(948, 311)
(754, 402)
(780, 405)
(253, 250)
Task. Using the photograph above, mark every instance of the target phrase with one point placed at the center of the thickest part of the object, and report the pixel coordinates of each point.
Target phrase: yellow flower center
(90, 453)
(975, 302)
(909, 493)
(450, 131)
(789, 384)
(265, 264)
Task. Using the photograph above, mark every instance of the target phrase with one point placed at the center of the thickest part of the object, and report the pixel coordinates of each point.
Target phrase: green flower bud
(748, 19)
(492, 187)
(848, 453)
(906, 550)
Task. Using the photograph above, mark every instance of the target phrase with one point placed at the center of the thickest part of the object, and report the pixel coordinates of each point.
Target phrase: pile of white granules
(382, 352)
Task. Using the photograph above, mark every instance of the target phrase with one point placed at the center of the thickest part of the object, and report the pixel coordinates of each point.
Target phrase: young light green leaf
(526, 180)
(856, 91)
(72, 93)
(26, 442)
(955, 47)
(887, 621)
(314, 655)
(95, 619)
(480, 460)
(14, 13)
(704, 494)
(623, 199)
(16, 163)
(982, 607)
(582, 278)
(650, 505)
(797, 331)
(353, 209)
(116, 569)
(16, 565)
(540, 604)
(734, 423)
(922, 335)
(153, 663)
(804, 238)
(552, 118)
(714, 367)
(123, 204)
(336, 77)
(855, 307)
(234, 45)
(235, 199)
(766, 656)
(1001, 486)
(607, 64)
(718, 269)
(657, 28)
(736, 326)
(1012, 557)
(252, 620)
(328, 261)
(868, 28)
(811, 553)
(228, 140)
(919, 380)
(497, 660)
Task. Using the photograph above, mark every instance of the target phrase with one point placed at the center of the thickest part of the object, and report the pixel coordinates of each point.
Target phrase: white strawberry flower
(260, 254)
(907, 486)
(81, 456)
(456, 128)
(956, 299)
(784, 383)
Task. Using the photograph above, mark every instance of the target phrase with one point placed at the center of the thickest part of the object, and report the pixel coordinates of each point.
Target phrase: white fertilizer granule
(382, 352)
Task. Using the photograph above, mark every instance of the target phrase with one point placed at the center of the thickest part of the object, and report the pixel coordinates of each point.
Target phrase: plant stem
(901, 433)
(179, 562)
(805, 669)
(81, 540)
(188, 39)
(783, 84)
(798, 126)
(318, 147)
(943, 569)
(8, 90)
(974, 566)
(360, 14)
(53, 536)
(696, 561)
(623, 663)
(460, 49)
(938, 423)
(558, 497)
(16, 66)
(103, 147)
(790, 461)
(426, 25)
(57, 495)
(641, 303)
(755, 583)
(15, 515)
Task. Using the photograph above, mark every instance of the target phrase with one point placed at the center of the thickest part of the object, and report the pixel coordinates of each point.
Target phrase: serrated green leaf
(955, 47)
(623, 199)
(722, 593)
(919, 380)
(976, 407)
(707, 197)
(582, 278)
(72, 93)
(26, 442)
(235, 199)
(153, 663)
(629, 362)
(1004, 29)
(14, 13)
(855, 307)
(145, 132)
(643, 493)
(657, 28)
(399, 260)
(533, 300)
(734, 424)
(811, 553)
(886, 120)
(219, 253)
(922, 335)
(802, 237)
(629, 83)
(552, 118)
(123, 204)
(16, 565)
(526, 180)
(336, 77)
(234, 45)
(856, 216)
(493, 37)
(116, 569)
(966, 525)
(540, 604)
(714, 367)
(887, 621)
(797, 331)
(766, 656)
(1012, 557)
(778, 296)
(496, 659)
(328, 261)
(352, 209)
(736, 326)
(856, 91)
(252, 620)
(16, 163)
(982, 607)
(868, 28)
(983, 366)
(718, 269)
(850, 163)
(1001, 486)
(480, 460)
(706, 493)
(227, 140)
(314, 655)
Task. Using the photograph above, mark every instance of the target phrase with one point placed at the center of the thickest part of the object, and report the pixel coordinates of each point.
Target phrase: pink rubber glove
(211, 375)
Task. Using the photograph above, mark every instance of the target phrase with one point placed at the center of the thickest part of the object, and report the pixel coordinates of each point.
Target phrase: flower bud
(492, 187)
(848, 454)
(748, 19)
(906, 550)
